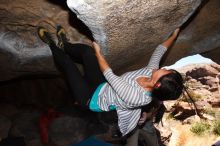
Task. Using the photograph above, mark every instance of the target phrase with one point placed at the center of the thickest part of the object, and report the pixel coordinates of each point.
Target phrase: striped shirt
(126, 94)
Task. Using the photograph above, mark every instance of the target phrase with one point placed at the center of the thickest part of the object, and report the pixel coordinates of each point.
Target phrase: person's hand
(101, 60)
(96, 47)
(144, 117)
(168, 42)
(176, 32)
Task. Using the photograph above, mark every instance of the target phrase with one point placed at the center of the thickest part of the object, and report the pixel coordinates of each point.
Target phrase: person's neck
(148, 86)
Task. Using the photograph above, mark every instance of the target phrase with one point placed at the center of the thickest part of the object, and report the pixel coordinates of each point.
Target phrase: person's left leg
(85, 55)
(149, 134)
(132, 140)
(78, 85)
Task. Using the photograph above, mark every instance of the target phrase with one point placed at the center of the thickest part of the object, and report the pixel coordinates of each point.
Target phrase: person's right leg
(149, 134)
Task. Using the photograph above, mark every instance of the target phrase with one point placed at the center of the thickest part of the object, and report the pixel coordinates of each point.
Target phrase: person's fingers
(141, 121)
(176, 31)
(96, 46)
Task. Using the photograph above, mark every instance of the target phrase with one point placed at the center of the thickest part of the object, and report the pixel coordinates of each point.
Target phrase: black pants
(82, 87)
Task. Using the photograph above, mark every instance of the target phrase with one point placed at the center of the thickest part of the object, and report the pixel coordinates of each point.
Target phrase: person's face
(157, 74)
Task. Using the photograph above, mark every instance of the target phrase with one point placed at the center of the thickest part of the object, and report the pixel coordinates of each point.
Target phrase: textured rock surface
(63, 130)
(75, 123)
(21, 51)
(201, 35)
(25, 124)
(72, 126)
(128, 31)
(180, 116)
(203, 79)
(131, 28)
(38, 92)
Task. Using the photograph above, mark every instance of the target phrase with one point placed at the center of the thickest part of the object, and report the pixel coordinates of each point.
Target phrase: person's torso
(109, 97)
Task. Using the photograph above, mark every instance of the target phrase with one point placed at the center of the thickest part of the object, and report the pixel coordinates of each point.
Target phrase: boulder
(132, 29)
(25, 124)
(128, 31)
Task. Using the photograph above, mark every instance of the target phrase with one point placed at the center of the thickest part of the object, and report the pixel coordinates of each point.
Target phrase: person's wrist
(176, 32)
(174, 35)
(97, 54)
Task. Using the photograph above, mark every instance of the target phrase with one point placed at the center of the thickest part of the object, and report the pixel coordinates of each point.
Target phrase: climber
(101, 90)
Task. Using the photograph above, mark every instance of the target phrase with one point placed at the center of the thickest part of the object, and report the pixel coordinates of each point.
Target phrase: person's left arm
(161, 49)
(101, 60)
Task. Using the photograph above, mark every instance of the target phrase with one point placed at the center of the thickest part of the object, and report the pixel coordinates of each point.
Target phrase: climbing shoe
(61, 35)
(45, 35)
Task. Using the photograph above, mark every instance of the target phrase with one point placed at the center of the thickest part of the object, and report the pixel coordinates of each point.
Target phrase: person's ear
(157, 85)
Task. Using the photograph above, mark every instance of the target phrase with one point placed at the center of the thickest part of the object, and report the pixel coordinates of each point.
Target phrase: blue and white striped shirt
(126, 94)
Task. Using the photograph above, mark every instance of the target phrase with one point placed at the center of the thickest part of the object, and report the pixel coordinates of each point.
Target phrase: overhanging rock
(128, 31)
(131, 29)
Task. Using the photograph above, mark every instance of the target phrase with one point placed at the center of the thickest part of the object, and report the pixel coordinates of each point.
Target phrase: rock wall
(132, 29)
(200, 35)
(202, 84)
(128, 31)
(21, 51)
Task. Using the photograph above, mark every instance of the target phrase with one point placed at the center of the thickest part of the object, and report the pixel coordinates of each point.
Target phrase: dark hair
(171, 86)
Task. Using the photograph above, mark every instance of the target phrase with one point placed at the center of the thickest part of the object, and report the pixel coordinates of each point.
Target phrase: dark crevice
(203, 3)
(73, 20)
(80, 26)
(29, 77)
(61, 3)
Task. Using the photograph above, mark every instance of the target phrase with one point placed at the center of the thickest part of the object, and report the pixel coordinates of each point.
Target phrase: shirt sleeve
(132, 96)
(156, 57)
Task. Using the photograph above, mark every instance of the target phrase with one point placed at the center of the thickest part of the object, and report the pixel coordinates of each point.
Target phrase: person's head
(168, 84)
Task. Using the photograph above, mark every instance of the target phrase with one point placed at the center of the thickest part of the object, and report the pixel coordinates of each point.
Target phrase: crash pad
(92, 141)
